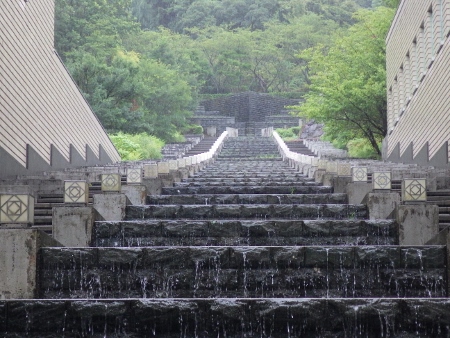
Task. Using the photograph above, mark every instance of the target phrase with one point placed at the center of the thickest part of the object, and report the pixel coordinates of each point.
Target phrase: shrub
(361, 148)
(137, 147)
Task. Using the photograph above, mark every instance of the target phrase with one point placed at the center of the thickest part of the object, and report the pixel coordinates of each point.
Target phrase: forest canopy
(144, 64)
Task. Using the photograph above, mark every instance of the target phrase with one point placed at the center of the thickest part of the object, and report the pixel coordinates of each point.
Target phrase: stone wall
(249, 106)
(418, 54)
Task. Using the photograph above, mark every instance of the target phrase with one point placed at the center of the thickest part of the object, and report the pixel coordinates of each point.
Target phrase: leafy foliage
(347, 90)
(142, 64)
(137, 147)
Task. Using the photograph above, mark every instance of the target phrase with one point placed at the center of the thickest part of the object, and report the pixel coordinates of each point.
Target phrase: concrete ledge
(18, 258)
(357, 192)
(382, 205)
(73, 225)
(110, 207)
(136, 194)
(418, 223)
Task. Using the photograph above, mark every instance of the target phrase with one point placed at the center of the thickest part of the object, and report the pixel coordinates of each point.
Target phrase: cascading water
(246, 248)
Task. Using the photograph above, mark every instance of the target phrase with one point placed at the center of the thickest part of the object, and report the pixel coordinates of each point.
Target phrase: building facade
(418, 83)
(45, 122)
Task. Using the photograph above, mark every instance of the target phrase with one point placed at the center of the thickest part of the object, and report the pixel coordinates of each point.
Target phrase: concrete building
(45, 123)
(418, 83)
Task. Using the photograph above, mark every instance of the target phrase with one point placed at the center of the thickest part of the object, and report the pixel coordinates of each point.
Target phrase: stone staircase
(248, 247)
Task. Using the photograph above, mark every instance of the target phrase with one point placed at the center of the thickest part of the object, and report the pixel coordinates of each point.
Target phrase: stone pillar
(382, 205)
(153, 185)
(110, 207)
(340, 184)
(357, 192)
(18, 256)
(328, 179)
(418, 223)
(318, 175)
(73, 225)
(136, 194)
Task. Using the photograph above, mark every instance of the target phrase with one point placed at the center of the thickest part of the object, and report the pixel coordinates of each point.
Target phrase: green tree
(347, 90)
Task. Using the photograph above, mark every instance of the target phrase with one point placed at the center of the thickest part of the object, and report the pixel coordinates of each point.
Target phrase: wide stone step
(209, 199)
(260, 183)
(139, 233)
(249, 189)
(244, 272)
(234, 318)
(248, 178)
(248, 211)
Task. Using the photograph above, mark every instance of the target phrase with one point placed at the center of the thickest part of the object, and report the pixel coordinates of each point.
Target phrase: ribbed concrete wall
(43, 115)
(418, 76)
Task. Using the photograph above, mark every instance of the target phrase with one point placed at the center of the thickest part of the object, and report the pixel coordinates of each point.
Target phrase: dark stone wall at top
(249, 106)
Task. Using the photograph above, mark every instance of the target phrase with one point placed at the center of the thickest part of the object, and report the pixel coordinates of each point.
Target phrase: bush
(361, 148)
(137, 147)
(288, 134)
(194, 129)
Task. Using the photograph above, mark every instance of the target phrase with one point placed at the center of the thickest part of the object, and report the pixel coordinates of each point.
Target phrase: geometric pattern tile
(16, 208)
(381, 180)
(151, 170)
(344, 169)
(332, 167)
(173, 165)
(414, 190)
(111, 182)
(323, 164)
(359, 174)
(134, 175)
(181, 163)
(76, 192)
(163, 168)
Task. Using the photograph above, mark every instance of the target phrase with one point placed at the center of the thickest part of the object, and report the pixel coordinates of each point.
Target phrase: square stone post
(73, 225)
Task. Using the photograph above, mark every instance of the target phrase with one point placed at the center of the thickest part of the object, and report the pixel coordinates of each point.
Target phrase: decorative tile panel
(150, 170)
(344, 169)
(322, 164)
(359, 174)
(181, 163)
(16, 209)
(76, 192)
(315, 162)
(414, 190)
(188, 161)
(332, 167)
(134, 175)
(163, 168)
(381, 180)
(173, 165)
(111, 182)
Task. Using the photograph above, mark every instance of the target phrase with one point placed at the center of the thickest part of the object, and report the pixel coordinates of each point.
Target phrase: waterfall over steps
(248, 247)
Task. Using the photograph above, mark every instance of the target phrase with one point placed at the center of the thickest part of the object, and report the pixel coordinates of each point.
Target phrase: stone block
(18, 256)
(359, 174)
(318, 175)
(16, 209)
(163, 168)
(76, 192)
(340, 184)
(72, 225)
(414, 190)
(328, 179)
(382, 205)
(136, 194)
(111, 182)
(418, 223)
(381, 180)
(150, 171)
(134, 175)
(153, 185)
(344, 169)
(110, 207)
(357, 192)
